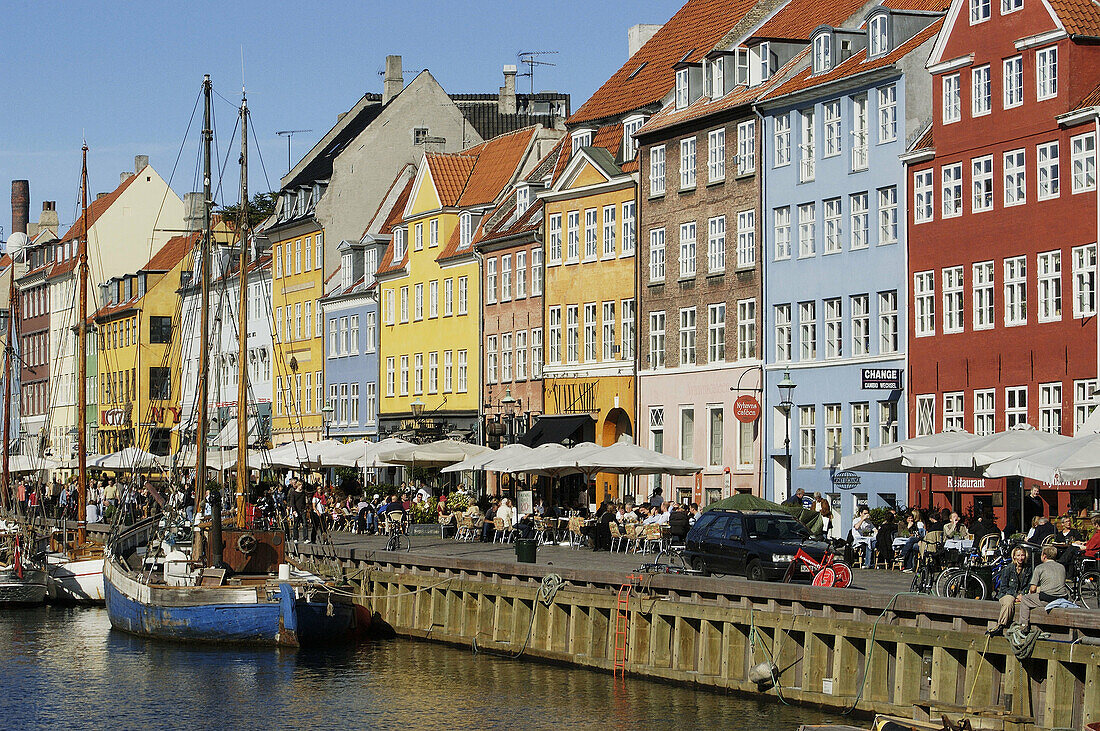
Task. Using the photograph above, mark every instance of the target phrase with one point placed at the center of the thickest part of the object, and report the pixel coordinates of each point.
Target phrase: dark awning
(556, 428)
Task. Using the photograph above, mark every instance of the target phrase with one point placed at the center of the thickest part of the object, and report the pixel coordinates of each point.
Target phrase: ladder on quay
(622, 624)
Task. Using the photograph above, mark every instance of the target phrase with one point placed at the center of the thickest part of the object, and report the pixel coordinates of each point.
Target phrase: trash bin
(526, 549)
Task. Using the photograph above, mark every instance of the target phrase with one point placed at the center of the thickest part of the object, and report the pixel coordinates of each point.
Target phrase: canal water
(66, 668)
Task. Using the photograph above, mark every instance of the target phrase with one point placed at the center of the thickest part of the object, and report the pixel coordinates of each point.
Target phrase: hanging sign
(746, 409)
(846, 480)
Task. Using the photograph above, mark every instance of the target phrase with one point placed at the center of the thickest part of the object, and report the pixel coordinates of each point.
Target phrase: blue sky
(127, 75)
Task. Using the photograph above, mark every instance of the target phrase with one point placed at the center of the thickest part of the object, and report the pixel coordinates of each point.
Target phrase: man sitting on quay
(1048, 583)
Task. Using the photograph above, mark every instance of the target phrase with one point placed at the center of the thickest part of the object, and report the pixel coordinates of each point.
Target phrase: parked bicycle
(1084, 587)
(830, 571)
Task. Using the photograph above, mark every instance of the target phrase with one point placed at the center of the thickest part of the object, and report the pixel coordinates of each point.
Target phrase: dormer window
(581, 138)
(370, 265)
(717, 79)
(823, 53)
(761, 67)
(630, 145)
(303, 201)
(742, 59)
(683, 77)
(466, 227)
(879, 40)
(398, 244)
(345, 270)
(523, 199)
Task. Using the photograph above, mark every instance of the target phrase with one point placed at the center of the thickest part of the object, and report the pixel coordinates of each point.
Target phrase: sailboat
(166, 579)
(74, 564)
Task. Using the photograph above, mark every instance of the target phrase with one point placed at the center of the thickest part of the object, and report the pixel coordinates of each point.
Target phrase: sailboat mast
(242, 330)
(82, 366)
(9, 352)
(206, 247)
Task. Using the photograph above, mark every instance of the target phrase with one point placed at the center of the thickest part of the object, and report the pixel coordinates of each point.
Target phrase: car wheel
(699, 565)
(755, 570)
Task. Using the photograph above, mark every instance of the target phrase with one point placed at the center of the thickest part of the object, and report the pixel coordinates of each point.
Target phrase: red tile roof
(1092, 100)
(172, 253)
(398, 206)
(704, 107)
(450, 250)
(609, 137)
(1080, 17)
(392, 219)
(693, 32)
(798, 18)
(926, 142)
(932, 6)
(96, 209)
(449, 173)
(496, 165)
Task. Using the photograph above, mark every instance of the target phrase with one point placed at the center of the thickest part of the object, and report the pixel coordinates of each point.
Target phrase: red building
(1002, 221)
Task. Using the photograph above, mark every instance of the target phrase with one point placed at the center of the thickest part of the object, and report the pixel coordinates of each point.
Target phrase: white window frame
(1012, 81)
(1084, 280)
(716, 244)
(781, 140)
(783, 340)
(657, 255)
(982, 286)
(781, 218)
(746, 239)
(1083, 162)
(832, 212)
(746, 147)
(657, 170)
(688, 250)
(953, 310)
(1015, 291)
(858, 221)
(1046, 73)
(981, 183)
(716, 155)
(1015, 180)
(951, 191)
(924, 304)
(687, 163)
(1048, 271)
(1048, 171)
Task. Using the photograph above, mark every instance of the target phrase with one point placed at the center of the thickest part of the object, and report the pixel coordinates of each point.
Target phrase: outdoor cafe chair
(630, 531)
(652, 534)
(617, 536)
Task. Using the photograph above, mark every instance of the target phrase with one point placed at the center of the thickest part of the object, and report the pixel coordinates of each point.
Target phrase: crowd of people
(123, 498)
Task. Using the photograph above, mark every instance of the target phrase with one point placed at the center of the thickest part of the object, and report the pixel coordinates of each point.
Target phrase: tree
(260, 207)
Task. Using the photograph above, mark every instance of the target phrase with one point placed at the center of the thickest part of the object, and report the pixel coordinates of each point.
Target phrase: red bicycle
(829, 571)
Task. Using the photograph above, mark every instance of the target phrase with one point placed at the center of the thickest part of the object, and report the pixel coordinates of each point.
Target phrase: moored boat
(22, 588)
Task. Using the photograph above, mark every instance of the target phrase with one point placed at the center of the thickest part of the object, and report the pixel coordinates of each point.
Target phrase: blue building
(835, 271)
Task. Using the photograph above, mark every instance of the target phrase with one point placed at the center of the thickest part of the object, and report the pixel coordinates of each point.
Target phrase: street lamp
(326, 417)
(786, 389)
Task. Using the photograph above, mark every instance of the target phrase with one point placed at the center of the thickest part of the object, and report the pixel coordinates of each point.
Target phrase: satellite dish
(16, 242)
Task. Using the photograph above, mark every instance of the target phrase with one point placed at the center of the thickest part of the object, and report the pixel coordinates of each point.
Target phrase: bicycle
(828, 572)
(668, 561)
(974, 580)
(1084, 588)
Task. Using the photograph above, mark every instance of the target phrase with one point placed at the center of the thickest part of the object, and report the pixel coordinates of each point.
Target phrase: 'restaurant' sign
(746, 408)
(882, 379)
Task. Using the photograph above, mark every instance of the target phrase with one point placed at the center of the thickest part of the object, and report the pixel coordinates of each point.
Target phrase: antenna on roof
(289, 134)
(530, 58)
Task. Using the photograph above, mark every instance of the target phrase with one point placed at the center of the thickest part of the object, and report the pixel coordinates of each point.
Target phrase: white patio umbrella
(437, 454)
(130, 458)
(531, 460)
(890, 457)
(1066, 461)
(976, 453)
(296, 454)
(215, 460)
(23, 463)
(624, 457)
(362, 453)
(557, 463)
(481, 462)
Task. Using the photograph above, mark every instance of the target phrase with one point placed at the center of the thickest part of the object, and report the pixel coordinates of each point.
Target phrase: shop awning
(556, 428)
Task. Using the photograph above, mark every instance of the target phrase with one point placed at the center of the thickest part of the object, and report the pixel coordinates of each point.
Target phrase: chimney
(506, 102)
(140, 163)
(192, 211)
(124, 176)
(393, 82)
(340, 117)
(100, 195)
(20, 205)
(637, 36)
(47, 220)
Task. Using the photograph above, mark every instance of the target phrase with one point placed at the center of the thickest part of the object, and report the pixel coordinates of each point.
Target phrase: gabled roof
(387, 264)
(609, 137)
(704, 107)
(856, 64)
(449, 173)
(393, 202)
(497, 163)
(648, 75)
(317, 163)
(924, 142)
(96, 209)
(172, 253)
(932, 6)
(1079, 17)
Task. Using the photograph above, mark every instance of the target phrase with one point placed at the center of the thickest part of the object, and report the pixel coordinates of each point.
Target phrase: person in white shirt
(863, 528)
(655, 517)
(666, 510)
(507, 513)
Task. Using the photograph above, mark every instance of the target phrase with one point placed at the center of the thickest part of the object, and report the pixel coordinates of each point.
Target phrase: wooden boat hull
(30, 590)
(76, 582)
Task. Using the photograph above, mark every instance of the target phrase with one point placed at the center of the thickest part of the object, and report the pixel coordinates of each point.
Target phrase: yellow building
(590, 295)
(139, 353)
(430, 284)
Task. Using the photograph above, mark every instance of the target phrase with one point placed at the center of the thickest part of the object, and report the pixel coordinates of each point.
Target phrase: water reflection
(65, 667)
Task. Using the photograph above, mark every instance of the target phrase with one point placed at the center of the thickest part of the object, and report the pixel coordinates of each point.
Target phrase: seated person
(863, 528)
(915, 526)
(679, 523)
(1042, 531)
(954, 529)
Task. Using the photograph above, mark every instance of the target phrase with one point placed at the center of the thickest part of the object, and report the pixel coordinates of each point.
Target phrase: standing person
(796, 499)
(1048, 582)
(826, 511)
(1034, 507)
(656, 498)
(316, 515)
(1014, 583)
(299, 510)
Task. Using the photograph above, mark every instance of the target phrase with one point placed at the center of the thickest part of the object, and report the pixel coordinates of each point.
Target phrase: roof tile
(1080, 17)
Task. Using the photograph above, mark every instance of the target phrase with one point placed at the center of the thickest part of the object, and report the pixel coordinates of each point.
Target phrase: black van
(759, 544)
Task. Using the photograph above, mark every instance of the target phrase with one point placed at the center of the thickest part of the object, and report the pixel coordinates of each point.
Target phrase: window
(491, 281)
(160, 329)
(463, 289)
(716, 155)
(985, 412)
(1084, 280)
(888, 321)
(278, 261)
(627, 351)
(715, 427)
(1015, 185)
(861, 427)
(160, 383)
(1085, 400)
(716, 244)
(806, 226)
(834, 329)
(763, 59)
(922, 196)
(859, 132)
(298, 257)
(833, 242)
(572, 234)
(832, 128)
(782, 333)
(521, 274)
(591, 326)
(387, 309)
(372, 402)
(460, 385)
(746, 238)
(926, 415)
(782, 218)
(657, 170)
(404, 375)
(418, 301)
(398, 244)
(372, 332)
(353, 334)
(782, 140)
(630, 145)
(982, 180)
(888, 421)
(807, 436)
(433, 298)
(433, 232)
(683, 98)
(1047, 156)
(980, 95)
(857, 203)
(1046, 69)
(746, 147)
(1008, 6)
(656, 339)
(521, 355)
(491, 359)
(536, 272)
(716, 333)
(610, 337)
(1015, 291)
(1050, 407)
(806, 171)
(953, 299)
(888, 215)
(448, 370)
(418, 237)
(878, 41)
(746, 329)
(505, 278)
(553, 316)
(506, 357)
(951, 106)
(609, 231)
(834, 447)
(953, 411)
(861, 325)
(687, 433)
(983, 295)
(657, 428)
(1015, 406)
(687, 336)
(952, 190)
(629, 229)
(1083, 160)
(591, 234)
(1013, 82)
(687, 249)
(924, 303)
(572, 333)
(418, 374)
(687, 163)
(1049, 272)
(448, 297)
(807, 330)
(553, 238)
(979, 11)
(887, 113)
(298, 321)
(657, 255)
(404, 304)
(465, 229)
(581, 138)
(823, 56)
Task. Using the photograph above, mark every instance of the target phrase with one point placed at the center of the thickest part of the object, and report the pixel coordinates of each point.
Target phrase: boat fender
(246, 543)
(764, 672)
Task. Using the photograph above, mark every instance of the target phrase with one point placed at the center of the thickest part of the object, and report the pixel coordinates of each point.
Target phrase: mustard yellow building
(430, 287)
(590, 294)
(139, 353)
